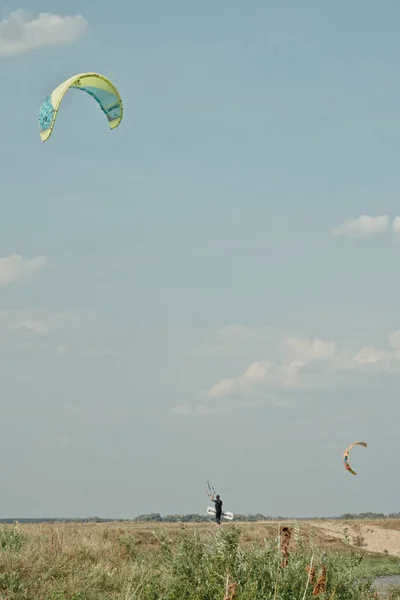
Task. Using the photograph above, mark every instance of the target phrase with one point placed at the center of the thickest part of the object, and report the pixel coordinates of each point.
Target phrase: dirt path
(369, 537)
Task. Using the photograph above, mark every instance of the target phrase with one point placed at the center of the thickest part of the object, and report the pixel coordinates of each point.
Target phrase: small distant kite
(210, 491)
(346, 456)
(99, 87)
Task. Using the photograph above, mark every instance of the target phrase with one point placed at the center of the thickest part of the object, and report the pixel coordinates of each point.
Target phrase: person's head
(217, 496)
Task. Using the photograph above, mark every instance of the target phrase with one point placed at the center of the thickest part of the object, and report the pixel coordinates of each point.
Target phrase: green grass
(106, 562)
(394, 593)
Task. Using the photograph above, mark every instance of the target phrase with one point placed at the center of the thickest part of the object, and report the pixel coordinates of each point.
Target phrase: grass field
(188, 562)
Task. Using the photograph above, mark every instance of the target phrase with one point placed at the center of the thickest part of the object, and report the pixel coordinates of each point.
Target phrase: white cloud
(20, 32)
(61, 334)
(305, 349)
(396, 225)
(15, 268)
(304, 363)
(259, 373)
(369, 355)
(35, 327)
(364, 226)
(24, 330)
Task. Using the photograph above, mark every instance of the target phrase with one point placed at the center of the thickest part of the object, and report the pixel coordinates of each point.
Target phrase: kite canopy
(97, 86)
(346, 456)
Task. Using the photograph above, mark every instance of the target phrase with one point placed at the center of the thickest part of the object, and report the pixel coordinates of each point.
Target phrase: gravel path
(382, 584)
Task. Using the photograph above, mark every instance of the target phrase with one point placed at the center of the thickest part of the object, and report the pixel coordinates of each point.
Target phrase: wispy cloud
(21, 32)
(15, 268)
(363, 226)
(291, 364)
(309, 363)
(61, 334)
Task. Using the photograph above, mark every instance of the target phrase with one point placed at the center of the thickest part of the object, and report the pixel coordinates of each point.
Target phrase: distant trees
(369, 515)
(196, 518)
(154, 517)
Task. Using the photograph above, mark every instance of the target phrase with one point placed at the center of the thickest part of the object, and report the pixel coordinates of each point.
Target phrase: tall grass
(100, 562)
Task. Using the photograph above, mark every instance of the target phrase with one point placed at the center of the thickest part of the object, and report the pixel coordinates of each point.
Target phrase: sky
(210, 290)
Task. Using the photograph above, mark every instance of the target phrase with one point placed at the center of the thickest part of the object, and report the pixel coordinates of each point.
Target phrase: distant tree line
(370, 515)
(196, 518)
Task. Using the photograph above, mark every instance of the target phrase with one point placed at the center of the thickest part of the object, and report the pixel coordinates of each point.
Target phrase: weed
(108, 562)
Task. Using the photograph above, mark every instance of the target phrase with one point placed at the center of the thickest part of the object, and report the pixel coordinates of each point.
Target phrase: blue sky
(210, 291)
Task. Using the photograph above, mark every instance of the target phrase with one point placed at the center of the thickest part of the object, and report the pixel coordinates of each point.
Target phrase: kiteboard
(227, 515)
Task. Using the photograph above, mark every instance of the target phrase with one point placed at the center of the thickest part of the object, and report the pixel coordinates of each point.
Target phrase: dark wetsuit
(218, 510)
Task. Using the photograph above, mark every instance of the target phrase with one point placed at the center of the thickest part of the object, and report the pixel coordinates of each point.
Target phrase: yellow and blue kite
(99, 87)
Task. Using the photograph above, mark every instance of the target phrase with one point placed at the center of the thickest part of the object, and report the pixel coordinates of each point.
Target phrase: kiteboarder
(218, 509)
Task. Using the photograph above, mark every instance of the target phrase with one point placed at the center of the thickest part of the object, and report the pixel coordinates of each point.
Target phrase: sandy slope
(372, 538)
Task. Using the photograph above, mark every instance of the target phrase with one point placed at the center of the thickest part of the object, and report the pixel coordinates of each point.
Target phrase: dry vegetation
(251, 561)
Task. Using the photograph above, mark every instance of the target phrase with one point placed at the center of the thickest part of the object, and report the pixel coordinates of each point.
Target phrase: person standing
(218, 508)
